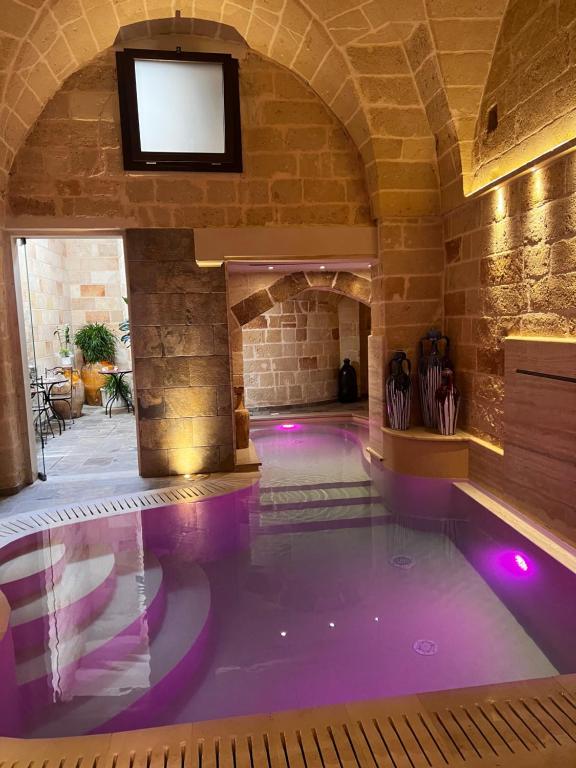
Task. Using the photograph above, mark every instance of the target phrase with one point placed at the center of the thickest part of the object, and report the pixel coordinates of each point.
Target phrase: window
(179, 111)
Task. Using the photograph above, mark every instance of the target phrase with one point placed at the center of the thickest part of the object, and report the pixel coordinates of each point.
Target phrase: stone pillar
(181, 351)
(15, 463)
(407, 291)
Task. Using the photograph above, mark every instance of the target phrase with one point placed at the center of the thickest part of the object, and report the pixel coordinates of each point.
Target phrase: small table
(118, 391)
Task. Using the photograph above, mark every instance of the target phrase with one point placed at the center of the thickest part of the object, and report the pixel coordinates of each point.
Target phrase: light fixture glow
(376, 618)
(288, 426)
(283, 633)
(187, 477)
(322, 267)
(520, 561)
(331, 625)
(270, 267)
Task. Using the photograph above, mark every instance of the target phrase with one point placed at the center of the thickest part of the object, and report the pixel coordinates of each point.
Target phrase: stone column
(181, 350)
(407, 291)
(15, 464)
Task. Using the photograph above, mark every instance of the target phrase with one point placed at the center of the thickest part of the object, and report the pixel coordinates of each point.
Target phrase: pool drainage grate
(425, 647)
(40, 520)
(402, 561)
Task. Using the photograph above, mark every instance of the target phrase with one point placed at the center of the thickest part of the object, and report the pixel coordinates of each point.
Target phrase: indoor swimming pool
(306, 589)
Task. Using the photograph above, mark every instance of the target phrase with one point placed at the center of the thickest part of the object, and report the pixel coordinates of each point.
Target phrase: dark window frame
(230, 161)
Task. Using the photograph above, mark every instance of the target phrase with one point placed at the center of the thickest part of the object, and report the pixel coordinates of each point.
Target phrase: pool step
(84, 589)
(126, 692)
(108, 639)
(30, 573)
(279, 499)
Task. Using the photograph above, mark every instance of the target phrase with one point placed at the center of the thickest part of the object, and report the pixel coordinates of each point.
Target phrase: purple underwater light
(520, 561)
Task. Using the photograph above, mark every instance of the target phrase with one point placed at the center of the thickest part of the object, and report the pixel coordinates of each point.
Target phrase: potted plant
(123, 396)
(124, 326)
(65, 352)
(98, 346)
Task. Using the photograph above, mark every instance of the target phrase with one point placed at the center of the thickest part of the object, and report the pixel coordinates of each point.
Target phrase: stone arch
(288, 287)
(72, 33)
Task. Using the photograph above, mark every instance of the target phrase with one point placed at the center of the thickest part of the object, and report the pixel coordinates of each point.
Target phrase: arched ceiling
(369, 60)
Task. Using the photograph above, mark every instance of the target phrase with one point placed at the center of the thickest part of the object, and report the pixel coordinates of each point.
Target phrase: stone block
(186, 341)
(192, 461)
(254, 305)
(146, 341)
(151, 404)
(208, 371)
(213, 430)
(289, 286)
(191, 402)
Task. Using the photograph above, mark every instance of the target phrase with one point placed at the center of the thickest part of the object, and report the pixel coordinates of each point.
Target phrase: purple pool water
(305, 591)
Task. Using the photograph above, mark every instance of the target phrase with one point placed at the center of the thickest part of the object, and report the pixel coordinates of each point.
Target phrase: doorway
(72, 299)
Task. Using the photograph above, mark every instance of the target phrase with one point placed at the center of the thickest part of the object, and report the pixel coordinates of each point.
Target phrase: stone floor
(94, 458)
(97, 457)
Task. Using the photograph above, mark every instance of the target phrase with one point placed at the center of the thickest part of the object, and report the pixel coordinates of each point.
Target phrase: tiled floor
(97, 457)
(94, 458)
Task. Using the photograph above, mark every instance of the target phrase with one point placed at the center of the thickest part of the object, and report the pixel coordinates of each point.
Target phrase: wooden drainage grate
(521, 725)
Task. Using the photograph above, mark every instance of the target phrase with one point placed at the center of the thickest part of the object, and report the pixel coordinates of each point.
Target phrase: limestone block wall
(292, 352)
(532, 80)
(510, 270)
(46, 306)
(407, 289)
(72, 282)
(97, 285)
(182, 376)
(300, 166)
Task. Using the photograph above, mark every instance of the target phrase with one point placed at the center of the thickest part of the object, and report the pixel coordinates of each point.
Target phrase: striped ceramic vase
(398, 392)
(447, 403)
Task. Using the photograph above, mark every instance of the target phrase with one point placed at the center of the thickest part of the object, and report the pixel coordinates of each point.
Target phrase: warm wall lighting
(322, 267)
(270, 267)
(500, 202)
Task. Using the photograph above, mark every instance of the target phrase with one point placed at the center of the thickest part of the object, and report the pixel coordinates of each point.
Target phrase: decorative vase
(447, 403)
(398, 391)
(347, 383)
(430, 364)
(241, 419)
(93, 382)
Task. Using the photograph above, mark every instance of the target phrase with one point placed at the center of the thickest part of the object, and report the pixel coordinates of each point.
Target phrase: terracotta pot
(62, 407)
(93, 382)
(242, 419)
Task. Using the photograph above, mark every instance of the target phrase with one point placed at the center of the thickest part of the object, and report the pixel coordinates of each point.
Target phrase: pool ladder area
(522, 725)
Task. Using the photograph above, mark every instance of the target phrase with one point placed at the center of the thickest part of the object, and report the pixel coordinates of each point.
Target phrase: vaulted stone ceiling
(404, 76)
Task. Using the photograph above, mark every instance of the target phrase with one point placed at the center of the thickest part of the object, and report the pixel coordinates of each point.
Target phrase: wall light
(322, 267)
(270, 267)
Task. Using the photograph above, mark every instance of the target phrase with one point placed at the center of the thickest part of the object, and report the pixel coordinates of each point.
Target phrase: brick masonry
(182, 374)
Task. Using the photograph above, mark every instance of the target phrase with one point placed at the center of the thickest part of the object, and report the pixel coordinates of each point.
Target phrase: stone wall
(510, 269)
(46, 306)
(178, 317)
(97, 284)
(292, 352)
(72, 282)
(300, 167)
(532, 81)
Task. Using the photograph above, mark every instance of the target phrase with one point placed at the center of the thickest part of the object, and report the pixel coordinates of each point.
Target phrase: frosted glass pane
(180, 106)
